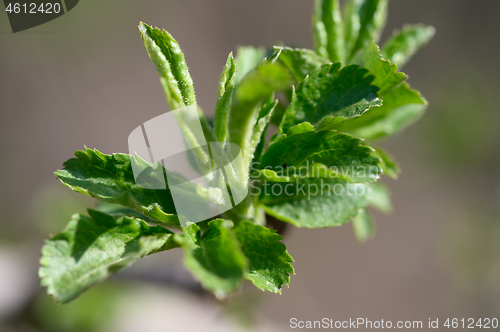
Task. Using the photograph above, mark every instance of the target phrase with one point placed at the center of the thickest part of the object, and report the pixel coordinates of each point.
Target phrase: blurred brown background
(85, 79)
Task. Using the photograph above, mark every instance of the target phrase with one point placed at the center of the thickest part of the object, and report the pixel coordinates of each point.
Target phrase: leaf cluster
(327, 107)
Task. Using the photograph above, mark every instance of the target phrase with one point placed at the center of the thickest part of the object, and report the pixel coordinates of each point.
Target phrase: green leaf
(380, 197)
(110, 178)
(402, 107)
(314, 203)
(215, 258)
(300, 61)
(351, 24)
(247, 59)
(169, 61)
(389, 166)
(405, 43)
(328, 30)
(226, 86)
(90, 249)
(257, 141)
(372, 16)
(252, 91)
(269, 262)
(278, 113)
(386, 74)
(319, 31)
(363, 226)
(329, 91)
(344, 154)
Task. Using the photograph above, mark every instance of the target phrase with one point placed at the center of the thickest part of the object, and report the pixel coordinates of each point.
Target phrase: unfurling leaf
(372, 17)
(223, 106)
(247, 59)
(169, 61)
(252, 91)
(259, 131)
(328, 30)
(351, 25)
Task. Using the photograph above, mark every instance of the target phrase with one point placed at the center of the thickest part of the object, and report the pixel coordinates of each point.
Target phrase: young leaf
(215, 258)
(247, 59)
(226, 86)
(319, 31)
(351, 24)
(278, 113)
(269, 262)
(257, 141)
(402, 106)
(363, 226)
(405, 43)
(329, 29)
(389, 166)
(249, 94)
(90, 249)
(380, 197)
(328, 91)
(343, 153)
(169, 61)
(386, 74)
(300, 61)
(372, 16)
(110, 178)
(314, 203)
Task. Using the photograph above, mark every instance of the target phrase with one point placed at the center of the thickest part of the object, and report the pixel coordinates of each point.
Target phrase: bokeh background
(85, 79)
